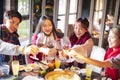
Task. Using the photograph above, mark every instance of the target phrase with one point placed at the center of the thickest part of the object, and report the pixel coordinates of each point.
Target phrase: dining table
(82, 77)
(80, 73)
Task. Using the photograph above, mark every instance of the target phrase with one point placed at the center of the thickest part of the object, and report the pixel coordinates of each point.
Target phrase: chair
(97, 53)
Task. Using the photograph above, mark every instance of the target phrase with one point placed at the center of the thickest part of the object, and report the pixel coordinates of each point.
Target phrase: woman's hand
(79, 50)
(52, 51)
(32, 49)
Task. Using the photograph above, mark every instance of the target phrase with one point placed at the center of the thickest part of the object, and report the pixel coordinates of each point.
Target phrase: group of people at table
(81, 42)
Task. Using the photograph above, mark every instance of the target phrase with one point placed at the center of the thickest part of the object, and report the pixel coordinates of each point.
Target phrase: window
(23, 8)
(62, 13)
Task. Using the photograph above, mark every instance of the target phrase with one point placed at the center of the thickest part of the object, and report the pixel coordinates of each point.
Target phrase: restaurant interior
(101, 14)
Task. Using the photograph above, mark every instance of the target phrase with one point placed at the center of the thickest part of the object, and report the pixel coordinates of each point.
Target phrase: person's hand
(52, 51)
(78, 53)
(63, 53)
(32, 49)
(79, 50)
(48, 51)
(116, 63)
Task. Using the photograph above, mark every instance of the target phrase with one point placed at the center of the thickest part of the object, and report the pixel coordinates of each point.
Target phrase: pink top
(34, 38)
(39, 55)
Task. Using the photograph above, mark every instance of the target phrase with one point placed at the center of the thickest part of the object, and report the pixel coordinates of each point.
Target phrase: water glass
(88, 70)
(66, 43)
(15, 67)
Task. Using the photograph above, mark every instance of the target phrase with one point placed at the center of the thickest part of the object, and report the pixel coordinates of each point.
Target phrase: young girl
(46, 33)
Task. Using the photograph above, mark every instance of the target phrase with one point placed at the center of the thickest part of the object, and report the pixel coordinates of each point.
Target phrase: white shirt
(10, 49)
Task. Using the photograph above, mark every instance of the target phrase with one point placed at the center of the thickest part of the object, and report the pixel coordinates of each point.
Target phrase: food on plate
(28, 68)
(21, 67)
(42, 72)
(30, 64)
(30, 74)
(61, 75)
(75, 69)
(43, 65)
(35, 65)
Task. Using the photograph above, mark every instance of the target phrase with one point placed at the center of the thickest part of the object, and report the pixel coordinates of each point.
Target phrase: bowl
(62, 75)
(28, 68)
(21, 67)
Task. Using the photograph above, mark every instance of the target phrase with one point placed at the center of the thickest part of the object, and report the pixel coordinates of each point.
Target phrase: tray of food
(61, 75)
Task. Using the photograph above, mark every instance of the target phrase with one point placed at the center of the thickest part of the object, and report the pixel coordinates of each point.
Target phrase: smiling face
(79, 29)
(12, 24)
(47, 27)
(113, 40)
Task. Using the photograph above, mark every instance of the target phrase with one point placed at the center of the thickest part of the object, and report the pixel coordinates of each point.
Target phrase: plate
(32, 78)
(62, 75)
(21, 67)
(75, 69)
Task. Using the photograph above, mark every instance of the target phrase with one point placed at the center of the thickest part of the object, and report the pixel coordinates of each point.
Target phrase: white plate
(32, 78)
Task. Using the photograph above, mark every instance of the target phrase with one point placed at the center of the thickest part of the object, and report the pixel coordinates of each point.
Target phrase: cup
(57, 63)
(88, 70)
(15, 67)
(51, 66)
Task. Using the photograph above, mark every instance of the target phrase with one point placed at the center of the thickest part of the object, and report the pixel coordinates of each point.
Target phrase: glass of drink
(66, 43)
(88, 71)
(15, 67)
(51, 66)
(57, 63)
(40, 40)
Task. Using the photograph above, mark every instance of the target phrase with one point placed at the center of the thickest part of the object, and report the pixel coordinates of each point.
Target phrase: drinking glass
(57, 63)
(39, 43)
(51, 65)
(40, 40)
(66, 43)
(88, 71)
(50, 42)
(15, 67)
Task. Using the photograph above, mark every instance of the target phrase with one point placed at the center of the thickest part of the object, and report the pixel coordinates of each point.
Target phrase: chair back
(97, 53)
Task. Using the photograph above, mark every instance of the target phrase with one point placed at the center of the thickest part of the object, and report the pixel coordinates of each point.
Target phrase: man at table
(6, 48)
